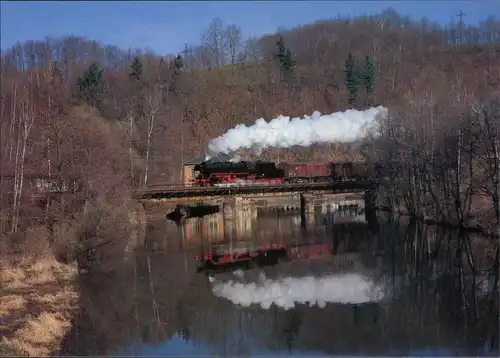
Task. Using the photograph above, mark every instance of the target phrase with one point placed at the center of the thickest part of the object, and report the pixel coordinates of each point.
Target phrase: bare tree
(252, 49)
(487, 122)
(233, 39)
(214, 38)
(153, 101)
(25, 124)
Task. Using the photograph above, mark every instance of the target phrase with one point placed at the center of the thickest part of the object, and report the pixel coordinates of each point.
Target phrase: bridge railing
(236, 186)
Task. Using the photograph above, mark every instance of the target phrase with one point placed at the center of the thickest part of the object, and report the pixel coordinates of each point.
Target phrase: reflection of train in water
(244, 253)
(243, 173)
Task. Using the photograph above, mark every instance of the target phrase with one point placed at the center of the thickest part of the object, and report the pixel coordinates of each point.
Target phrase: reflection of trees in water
(135, 303)
(431, 268)
(291, 328)
(436, 278)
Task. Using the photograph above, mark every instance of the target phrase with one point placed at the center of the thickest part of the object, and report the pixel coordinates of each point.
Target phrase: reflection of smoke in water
(285, 292)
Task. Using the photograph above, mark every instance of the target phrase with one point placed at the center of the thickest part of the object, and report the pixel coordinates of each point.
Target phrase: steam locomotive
(226, 174)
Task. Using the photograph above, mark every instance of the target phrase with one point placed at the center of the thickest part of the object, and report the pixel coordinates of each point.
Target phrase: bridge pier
(307, 210)
(370, 203)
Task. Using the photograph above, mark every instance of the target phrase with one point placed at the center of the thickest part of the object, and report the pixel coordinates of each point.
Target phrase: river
(387, 287)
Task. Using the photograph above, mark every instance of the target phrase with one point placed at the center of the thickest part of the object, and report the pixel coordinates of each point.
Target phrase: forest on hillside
(97, 121)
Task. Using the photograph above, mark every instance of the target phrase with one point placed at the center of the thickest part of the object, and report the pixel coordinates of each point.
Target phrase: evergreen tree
(177, 63)
(136, 68)
(352, 78)
(92, 85)
(289, 64)
(369, 76)
(176, 67)
(285, 59)
(282, 53)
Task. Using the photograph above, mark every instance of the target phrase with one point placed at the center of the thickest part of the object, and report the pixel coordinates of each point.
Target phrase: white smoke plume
(286, 292)
(286, 132)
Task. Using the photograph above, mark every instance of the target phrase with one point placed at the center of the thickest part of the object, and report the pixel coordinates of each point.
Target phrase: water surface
(384, 288)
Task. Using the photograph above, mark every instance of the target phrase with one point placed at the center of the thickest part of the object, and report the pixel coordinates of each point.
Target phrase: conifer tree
(92, 85)
(136, 68)
(285, 59)
(290, 64)
(176, 67)
(177, 63)
(281, 54)
(352, 78)
(369, 77)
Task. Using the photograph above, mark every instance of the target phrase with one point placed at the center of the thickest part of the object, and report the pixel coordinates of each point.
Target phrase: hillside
(160, 111)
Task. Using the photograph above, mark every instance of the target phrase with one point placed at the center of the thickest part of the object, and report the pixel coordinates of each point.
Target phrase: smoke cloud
(286, 292)
(286, 132)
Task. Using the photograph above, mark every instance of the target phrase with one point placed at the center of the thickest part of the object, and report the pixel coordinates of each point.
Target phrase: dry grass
(38, 298)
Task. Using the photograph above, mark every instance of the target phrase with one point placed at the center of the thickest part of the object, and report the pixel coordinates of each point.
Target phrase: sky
(165, 26)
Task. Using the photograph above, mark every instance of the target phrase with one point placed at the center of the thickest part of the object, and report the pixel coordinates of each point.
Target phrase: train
(244, 173)
(223, 255)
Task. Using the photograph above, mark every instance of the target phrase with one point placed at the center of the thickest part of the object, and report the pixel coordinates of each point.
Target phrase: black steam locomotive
(230, 173)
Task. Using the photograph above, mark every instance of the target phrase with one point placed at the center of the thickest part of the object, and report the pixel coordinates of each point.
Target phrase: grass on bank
(38, 297)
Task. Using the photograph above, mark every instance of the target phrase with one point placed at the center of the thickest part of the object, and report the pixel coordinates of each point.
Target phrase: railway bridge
(235, 200)
(159, 192)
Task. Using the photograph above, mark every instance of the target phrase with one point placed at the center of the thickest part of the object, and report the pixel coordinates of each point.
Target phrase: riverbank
(39, 292)
(38, 299)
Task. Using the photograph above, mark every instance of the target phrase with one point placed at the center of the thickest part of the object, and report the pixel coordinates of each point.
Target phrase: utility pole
(183, 176)
(461, 16)
(184, 62)
(185, 53)
(461, 26)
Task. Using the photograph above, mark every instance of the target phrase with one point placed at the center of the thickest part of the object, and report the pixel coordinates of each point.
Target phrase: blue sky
(166, 26)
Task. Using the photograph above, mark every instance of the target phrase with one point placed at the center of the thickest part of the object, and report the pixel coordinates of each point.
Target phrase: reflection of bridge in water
(258, 226)
(238, 214)
(269, 222)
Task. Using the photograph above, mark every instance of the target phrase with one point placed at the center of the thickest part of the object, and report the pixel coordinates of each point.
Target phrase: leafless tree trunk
(156, 311)
(25, 124)
(130, 116)
(214, 39)
(487, 128)
(233, 39)
(153, 107)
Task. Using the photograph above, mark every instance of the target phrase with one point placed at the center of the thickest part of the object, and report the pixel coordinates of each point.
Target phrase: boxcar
(295, 173)
(342, 171)
(362, 171)
(352, 171)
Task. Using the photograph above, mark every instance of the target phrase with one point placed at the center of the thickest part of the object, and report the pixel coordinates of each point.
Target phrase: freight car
(297, 173)
(302, 173)
(352, 171)
(238, 173)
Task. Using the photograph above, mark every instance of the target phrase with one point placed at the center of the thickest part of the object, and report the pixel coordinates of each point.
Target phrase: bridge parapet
(257, 190)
